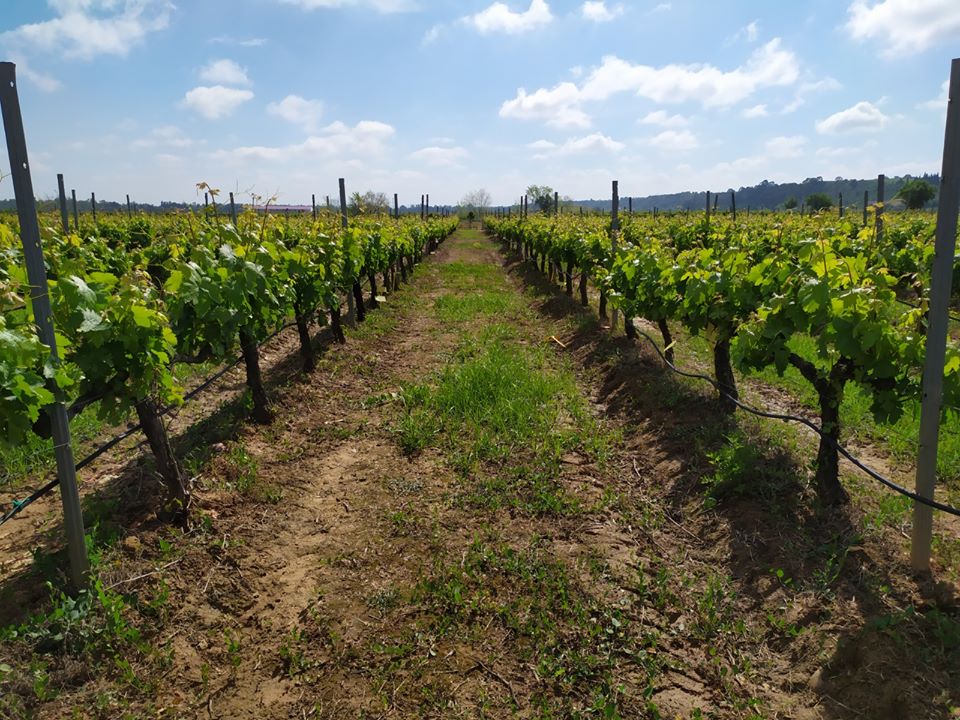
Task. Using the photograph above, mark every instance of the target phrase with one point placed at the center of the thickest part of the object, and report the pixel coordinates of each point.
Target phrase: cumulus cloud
(598, 12)
(905, 26)
(757, 111)
(768, 66)
(436, 156)
(939, 103)
(663, 119)
(217, 101)
(367, 137)
(167, 136)
(297, 111)
(500, 18)
(810, 87)
(862, 117)
(674, 141)
(558, 106)
(593, 143)
(382, 6)
(224, 72)
(85, 29)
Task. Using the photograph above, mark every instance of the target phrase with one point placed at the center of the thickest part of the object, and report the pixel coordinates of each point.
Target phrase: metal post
(396, 207)
(129, 208)
(878, 234)
(614, 231)
(866, 199)
(427, 206)
(313, 203)
(76, 213)
(556, 203)
(328, 203)
(938, 319)
(93, 206)
(351, 306)
(733, 205)
(421, 207)
(233, 211)
(840, 204)
(40, 302)
(65, 223)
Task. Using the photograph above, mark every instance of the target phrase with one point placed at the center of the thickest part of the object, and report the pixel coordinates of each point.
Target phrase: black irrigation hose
(949, 509)
(20, 505)
(954, 318)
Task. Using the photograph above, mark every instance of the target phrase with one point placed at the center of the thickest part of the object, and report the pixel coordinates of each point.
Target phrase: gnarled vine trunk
(155, 431)
(667, 340)
(723, 371)
(251, 360)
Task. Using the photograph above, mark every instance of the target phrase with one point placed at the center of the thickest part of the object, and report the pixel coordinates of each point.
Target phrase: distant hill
(769, 195)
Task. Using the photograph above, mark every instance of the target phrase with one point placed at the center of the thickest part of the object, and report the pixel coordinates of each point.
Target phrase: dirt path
(484, 507)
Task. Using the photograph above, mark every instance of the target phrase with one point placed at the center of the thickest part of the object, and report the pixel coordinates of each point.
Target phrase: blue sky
(282, 97)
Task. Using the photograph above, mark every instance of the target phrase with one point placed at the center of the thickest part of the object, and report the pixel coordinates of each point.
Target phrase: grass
(505, 418)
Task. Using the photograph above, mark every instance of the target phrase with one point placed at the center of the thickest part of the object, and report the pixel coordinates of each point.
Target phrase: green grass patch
(505, 418)
(461, 308)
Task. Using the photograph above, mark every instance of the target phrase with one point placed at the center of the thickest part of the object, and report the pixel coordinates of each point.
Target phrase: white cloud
(862, 117)
(562, 106)
(216, 101)
(382, 6)
(558, 107)
(241, 42)
(661, 8)
(662, 119)
(749, 32)
(598, 12)
(939, 103)
(593, 143)
(785, 146)
(500, 18)
(87, 28)
(298, 111)
(224, 72)
(432, 34)
(809, 88)
(367, 137)
(440, 156)
(46, 83)
(167, 136)
(905, 26)
(675, 141)
(757, 111)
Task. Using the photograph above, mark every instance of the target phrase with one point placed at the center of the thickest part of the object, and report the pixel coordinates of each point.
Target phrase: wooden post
(733, 205)
(878, 219)
(840, 204)
(396, 207)
(40, 303)
(313, 203)
(64, 222)
(93, 206)
(129, 207)
(427, 206)
(233, 211)
(630, 205)
(206, 201)
(354, 311)
(76, 213)
(328, 203)
(937, 325)
(556, 203)
(866, 199)
(421, 207)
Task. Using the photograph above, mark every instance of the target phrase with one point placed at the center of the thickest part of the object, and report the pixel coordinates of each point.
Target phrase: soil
(299, 597)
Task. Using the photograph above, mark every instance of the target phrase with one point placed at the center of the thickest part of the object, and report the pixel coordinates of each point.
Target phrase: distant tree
(790, 203)
(916, 193)
(542, 197)
(477, 200)
(819, 201)
(369, 203)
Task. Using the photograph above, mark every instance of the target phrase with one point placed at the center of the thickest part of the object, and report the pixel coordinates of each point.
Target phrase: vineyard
(360, 464)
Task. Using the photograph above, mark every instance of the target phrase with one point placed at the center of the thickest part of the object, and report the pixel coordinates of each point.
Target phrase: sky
(282, 97)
